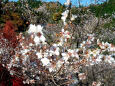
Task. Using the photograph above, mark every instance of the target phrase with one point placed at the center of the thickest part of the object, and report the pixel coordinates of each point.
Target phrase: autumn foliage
(10, 34)
(8, 80)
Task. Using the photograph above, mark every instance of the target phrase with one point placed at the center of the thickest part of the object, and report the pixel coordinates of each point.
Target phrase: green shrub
(34, 3)
(110, 24)
(55, 10)
(74, 10)
(104, 8)
(57, 16)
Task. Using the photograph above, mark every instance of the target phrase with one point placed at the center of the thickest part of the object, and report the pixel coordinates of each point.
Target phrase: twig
(68, 82)
(54, 81)
(59, 70)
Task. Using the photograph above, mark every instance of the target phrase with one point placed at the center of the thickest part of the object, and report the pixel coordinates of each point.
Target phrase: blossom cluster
(34, 57)
(37, 61)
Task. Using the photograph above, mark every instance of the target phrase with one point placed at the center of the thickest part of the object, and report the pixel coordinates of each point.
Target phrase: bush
(105, 8)
(34, 3)
(10, 34)
(55, 10)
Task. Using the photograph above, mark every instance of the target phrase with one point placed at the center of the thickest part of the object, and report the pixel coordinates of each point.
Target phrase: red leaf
(17, 81)
(9, 33)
